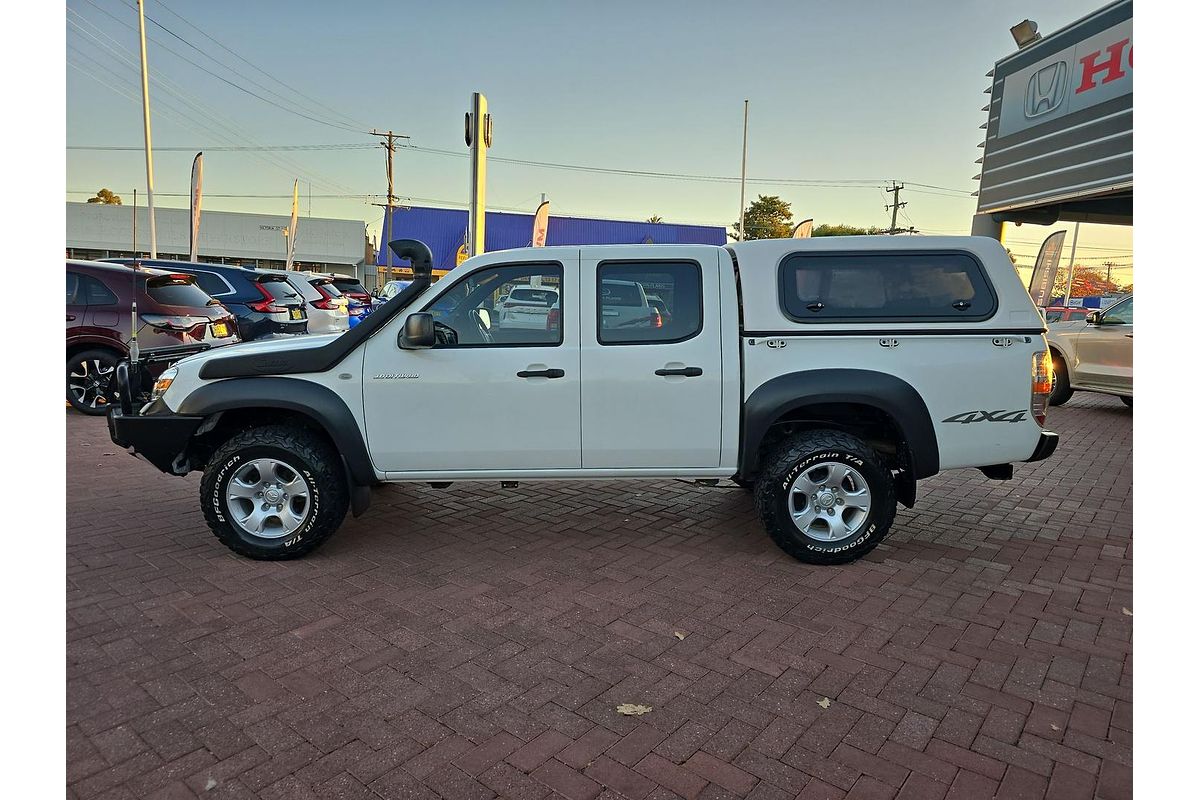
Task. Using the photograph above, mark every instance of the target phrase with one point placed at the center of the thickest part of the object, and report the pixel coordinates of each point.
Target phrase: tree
(845, 230)
(106, 197)
(1088, 282)
(655, 218)
(768, 217)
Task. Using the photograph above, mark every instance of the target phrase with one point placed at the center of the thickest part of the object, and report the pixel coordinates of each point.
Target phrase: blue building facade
(444, 229)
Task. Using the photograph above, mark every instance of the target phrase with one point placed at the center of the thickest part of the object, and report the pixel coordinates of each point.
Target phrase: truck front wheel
(825, 498)
(274, 492)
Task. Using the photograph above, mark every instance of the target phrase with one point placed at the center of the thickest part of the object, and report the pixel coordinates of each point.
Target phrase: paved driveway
(474, 642)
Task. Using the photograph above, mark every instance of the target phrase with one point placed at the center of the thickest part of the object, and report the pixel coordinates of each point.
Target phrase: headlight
(163, 383)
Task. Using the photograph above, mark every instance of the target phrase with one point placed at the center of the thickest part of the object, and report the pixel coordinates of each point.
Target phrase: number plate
(296, 313)
(220, 330)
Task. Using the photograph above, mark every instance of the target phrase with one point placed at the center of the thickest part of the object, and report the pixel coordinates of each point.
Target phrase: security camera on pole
(479, 139)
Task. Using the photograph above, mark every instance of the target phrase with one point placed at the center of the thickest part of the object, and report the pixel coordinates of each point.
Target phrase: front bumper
(159, 438)
(1045, 446)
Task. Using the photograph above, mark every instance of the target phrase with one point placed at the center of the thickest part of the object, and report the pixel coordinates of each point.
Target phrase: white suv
(527, 307)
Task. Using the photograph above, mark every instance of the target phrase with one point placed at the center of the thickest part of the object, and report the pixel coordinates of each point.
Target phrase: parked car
(527, 307)
(351, 287)
(627, 306)
(1053, 314)
(264, 303)
(327, 312)
(175, 318)
(1096, 356)
(391, 289)
(830, 374)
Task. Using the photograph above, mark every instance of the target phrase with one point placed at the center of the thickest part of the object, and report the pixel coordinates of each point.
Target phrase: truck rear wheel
(825, 498)
(274, 492)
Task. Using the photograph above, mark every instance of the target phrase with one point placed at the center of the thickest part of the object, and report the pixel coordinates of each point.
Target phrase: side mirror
(418, 332)
(1093, 318)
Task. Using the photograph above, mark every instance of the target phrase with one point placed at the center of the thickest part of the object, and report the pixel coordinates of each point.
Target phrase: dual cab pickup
(826, 375)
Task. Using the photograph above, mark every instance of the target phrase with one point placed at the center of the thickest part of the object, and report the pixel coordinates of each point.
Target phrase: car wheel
(1127, 401)
(91, 381)
(825, 498)
(274, 492)
(1060, 383)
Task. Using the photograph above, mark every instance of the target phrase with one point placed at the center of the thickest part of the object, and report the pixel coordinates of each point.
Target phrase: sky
(851, 95)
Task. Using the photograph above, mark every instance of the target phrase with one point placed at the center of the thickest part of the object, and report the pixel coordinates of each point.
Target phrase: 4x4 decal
(967, 417)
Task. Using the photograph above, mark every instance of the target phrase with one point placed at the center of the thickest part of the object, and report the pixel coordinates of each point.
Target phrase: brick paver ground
(474, 642)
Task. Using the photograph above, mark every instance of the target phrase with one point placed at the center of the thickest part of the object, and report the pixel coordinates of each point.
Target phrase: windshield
(349, 285)
(621, 294)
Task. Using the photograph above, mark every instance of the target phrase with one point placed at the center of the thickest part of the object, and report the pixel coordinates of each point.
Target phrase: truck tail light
(267, 304)
(553, 317)
(1041, 385)
(655, 318)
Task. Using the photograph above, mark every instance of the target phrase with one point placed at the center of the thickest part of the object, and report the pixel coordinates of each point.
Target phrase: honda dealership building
(1059, 144)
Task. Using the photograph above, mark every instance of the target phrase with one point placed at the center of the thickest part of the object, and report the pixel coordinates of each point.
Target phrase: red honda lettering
(1111, 66)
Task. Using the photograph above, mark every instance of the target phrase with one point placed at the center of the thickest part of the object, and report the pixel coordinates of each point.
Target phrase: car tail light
(656, 319)
(267, 304)
(1041, 385)
(553, 317)
(327, 302)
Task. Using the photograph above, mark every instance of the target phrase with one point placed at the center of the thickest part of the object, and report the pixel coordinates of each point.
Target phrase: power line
(223, 79)
(240, 148)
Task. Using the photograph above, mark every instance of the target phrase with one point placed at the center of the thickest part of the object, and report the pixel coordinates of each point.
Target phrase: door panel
(76, 303)
(651, 363)
(461, 405)
(1105, 351)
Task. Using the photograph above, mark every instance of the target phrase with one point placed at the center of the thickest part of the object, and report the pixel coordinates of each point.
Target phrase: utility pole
(895, 206)
(146, 126)
(390, 146)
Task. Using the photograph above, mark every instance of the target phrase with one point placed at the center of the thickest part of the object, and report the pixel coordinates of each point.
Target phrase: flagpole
(146, 127)
(742, 203)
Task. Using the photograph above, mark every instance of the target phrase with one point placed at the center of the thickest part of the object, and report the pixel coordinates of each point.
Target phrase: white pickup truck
(828, 375)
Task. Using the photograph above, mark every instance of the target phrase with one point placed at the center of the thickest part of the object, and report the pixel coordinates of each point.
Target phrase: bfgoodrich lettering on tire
(274, 492)
(825, 498)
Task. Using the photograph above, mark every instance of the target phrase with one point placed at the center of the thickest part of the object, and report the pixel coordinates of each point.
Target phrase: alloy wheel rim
(829, 501)
(268, 498)
(90, 382)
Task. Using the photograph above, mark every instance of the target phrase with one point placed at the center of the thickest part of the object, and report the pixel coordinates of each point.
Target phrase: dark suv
(175, 316)
(263, 302)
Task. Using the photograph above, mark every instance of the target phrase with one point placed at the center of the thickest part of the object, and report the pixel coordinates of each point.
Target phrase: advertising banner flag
(1045, 269)
(197, 189)
(541, 223)
(803, 230)
(291, 231)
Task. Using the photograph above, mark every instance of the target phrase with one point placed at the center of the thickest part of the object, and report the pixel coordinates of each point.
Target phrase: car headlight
(163, 383)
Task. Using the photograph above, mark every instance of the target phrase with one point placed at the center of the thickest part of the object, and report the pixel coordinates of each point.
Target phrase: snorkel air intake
(422, 259)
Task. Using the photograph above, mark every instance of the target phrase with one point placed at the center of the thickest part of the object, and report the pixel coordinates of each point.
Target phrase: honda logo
(1047, 89)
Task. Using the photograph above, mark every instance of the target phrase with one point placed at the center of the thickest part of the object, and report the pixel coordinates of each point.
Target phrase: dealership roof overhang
(1059, 145)
(443, 230)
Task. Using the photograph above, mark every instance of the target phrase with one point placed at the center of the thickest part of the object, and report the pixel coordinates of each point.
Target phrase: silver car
(327, 312)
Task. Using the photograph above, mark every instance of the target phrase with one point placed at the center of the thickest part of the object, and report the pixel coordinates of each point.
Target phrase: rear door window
(309, 292)
(73, 297)
(911, 286)
(653, 302)
(94, 293)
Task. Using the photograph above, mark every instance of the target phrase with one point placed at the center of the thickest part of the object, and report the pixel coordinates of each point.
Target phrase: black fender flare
(887, 393)
(315, 401)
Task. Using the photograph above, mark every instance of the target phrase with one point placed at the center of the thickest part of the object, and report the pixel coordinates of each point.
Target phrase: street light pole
(146, 127)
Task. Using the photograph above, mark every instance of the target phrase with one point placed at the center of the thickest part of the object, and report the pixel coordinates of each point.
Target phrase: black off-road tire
(1127, 400)
(1060, 389)
(793, 456)
(108, 393)
(311, 456)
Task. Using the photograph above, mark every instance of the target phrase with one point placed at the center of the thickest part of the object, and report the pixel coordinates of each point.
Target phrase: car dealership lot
(475, 641)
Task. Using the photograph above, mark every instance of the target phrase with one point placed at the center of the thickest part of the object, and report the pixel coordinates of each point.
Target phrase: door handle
(70, 317)
(687, 372)
(541, 373)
